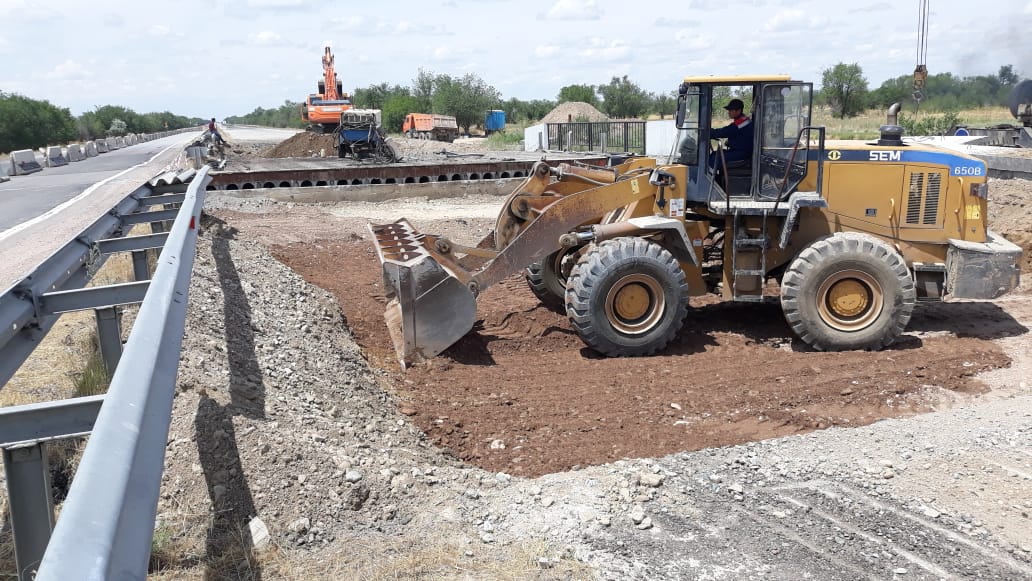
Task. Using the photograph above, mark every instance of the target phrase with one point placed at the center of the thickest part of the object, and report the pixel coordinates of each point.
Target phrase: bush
(929, 125)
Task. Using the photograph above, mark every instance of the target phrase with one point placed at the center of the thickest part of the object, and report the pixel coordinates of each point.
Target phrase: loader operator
(739, 135)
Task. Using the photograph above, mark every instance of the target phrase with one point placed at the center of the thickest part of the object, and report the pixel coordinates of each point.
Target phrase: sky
(216, 58)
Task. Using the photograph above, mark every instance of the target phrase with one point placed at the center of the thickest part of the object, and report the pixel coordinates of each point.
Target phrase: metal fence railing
(600, 136)
(107, 520)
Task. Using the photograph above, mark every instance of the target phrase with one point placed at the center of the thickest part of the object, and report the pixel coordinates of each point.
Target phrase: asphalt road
(27, 197)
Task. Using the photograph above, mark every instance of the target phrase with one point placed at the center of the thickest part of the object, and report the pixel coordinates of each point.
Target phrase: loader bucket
(428, 307)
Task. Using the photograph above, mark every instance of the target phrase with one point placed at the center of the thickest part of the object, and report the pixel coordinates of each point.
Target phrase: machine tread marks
(599, 273)
(876, 264)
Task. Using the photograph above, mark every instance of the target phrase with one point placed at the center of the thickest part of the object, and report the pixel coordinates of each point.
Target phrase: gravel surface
(326, 455)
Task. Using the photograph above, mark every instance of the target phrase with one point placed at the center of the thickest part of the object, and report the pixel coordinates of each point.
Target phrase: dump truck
(854, 233)
(321, 110)
(430, 126)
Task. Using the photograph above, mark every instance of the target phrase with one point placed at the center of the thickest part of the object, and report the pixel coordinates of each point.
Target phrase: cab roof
(736, 79)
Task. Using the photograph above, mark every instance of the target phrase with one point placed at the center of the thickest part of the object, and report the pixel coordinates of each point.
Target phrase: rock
(547, 501)
(352, 476)
(637, 516)
(645, 524)
(301, 525)
(259, 533)
(651, 480)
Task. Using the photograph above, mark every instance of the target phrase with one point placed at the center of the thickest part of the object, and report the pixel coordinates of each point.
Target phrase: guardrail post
(141, 270)
(109, 331)
(32, 510)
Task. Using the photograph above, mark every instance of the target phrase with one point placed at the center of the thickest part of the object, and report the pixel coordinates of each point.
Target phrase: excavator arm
(431, 283)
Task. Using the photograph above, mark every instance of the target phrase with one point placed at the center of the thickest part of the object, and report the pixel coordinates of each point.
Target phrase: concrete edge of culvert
(376, 193)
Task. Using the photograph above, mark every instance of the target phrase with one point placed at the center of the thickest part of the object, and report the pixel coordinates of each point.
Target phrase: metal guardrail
(107, 521)
(31, 307)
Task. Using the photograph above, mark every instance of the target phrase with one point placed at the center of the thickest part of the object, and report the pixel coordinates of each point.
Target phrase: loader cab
(779, 110)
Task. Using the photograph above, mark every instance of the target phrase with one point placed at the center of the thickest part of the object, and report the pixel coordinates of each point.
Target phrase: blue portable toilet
(495, 121)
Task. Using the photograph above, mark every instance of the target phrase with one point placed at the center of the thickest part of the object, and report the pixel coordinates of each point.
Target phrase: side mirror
(682, 104)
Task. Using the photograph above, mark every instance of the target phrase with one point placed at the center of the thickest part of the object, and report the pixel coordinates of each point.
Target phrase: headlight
(980, 191)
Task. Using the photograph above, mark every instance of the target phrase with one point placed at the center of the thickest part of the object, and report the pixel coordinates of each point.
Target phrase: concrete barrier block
(74, 152)
(119, 142)
(4, 164)
(101, 145)
(131, 139)
(112, 143)
(54, 157)
(90, 149)
(23, 162)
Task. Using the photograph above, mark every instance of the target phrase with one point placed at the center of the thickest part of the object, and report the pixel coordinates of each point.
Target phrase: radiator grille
(923, 198)
(931, 203)
(914, 198)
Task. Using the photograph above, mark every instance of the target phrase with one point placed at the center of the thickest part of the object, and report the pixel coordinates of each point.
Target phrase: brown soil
(523, 395)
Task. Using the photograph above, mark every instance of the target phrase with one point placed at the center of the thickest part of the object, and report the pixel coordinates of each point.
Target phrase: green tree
(622, 99)
(423, 87)
(578, 93)
(29, 124)
(664, 104)
(374, 96)
(394, 110)
(844, 89)
(467, 99)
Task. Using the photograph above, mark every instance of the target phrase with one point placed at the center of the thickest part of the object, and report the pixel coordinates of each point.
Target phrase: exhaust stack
(891, 132)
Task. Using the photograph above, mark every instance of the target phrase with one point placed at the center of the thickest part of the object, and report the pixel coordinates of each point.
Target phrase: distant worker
(739, 135)
(214, 131)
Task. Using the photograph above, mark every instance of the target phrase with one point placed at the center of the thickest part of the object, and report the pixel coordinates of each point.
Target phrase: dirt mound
(1010, 214)
(308, 144)
(305, 144)
(574, 111)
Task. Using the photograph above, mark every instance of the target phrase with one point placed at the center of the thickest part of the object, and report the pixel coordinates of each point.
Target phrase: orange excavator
(321, 111)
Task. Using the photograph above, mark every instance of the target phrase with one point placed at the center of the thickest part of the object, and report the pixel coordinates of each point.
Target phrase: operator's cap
(735, 104)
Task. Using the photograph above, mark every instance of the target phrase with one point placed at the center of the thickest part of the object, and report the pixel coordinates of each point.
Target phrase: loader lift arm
(432, 291)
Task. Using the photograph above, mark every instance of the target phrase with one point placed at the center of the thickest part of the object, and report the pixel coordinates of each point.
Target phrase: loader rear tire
(627, 297)
(547, 281)
(848, 291)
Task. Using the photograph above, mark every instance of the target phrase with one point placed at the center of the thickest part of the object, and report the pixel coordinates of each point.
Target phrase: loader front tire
(547, 281)
(627, 297)
(848, 291)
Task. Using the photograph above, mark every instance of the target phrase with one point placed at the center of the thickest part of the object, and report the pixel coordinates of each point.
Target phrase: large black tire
(848, 291)
(547, 281)
(627, 297)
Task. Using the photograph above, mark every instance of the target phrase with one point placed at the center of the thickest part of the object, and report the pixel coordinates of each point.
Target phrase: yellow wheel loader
(854, 232)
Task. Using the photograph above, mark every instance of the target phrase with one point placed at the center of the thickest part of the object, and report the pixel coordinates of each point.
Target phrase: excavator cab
(779, 113)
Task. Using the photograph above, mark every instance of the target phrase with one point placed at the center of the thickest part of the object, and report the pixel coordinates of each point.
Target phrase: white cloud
(266, 38)
(605, 50)
(69, 71)
(1028, 8)
(275, 3)
(574, 10)
(158, 30)
(545, 51)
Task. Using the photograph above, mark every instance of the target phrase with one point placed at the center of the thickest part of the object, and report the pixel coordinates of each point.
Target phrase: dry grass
(369, 561)
(865, 125)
